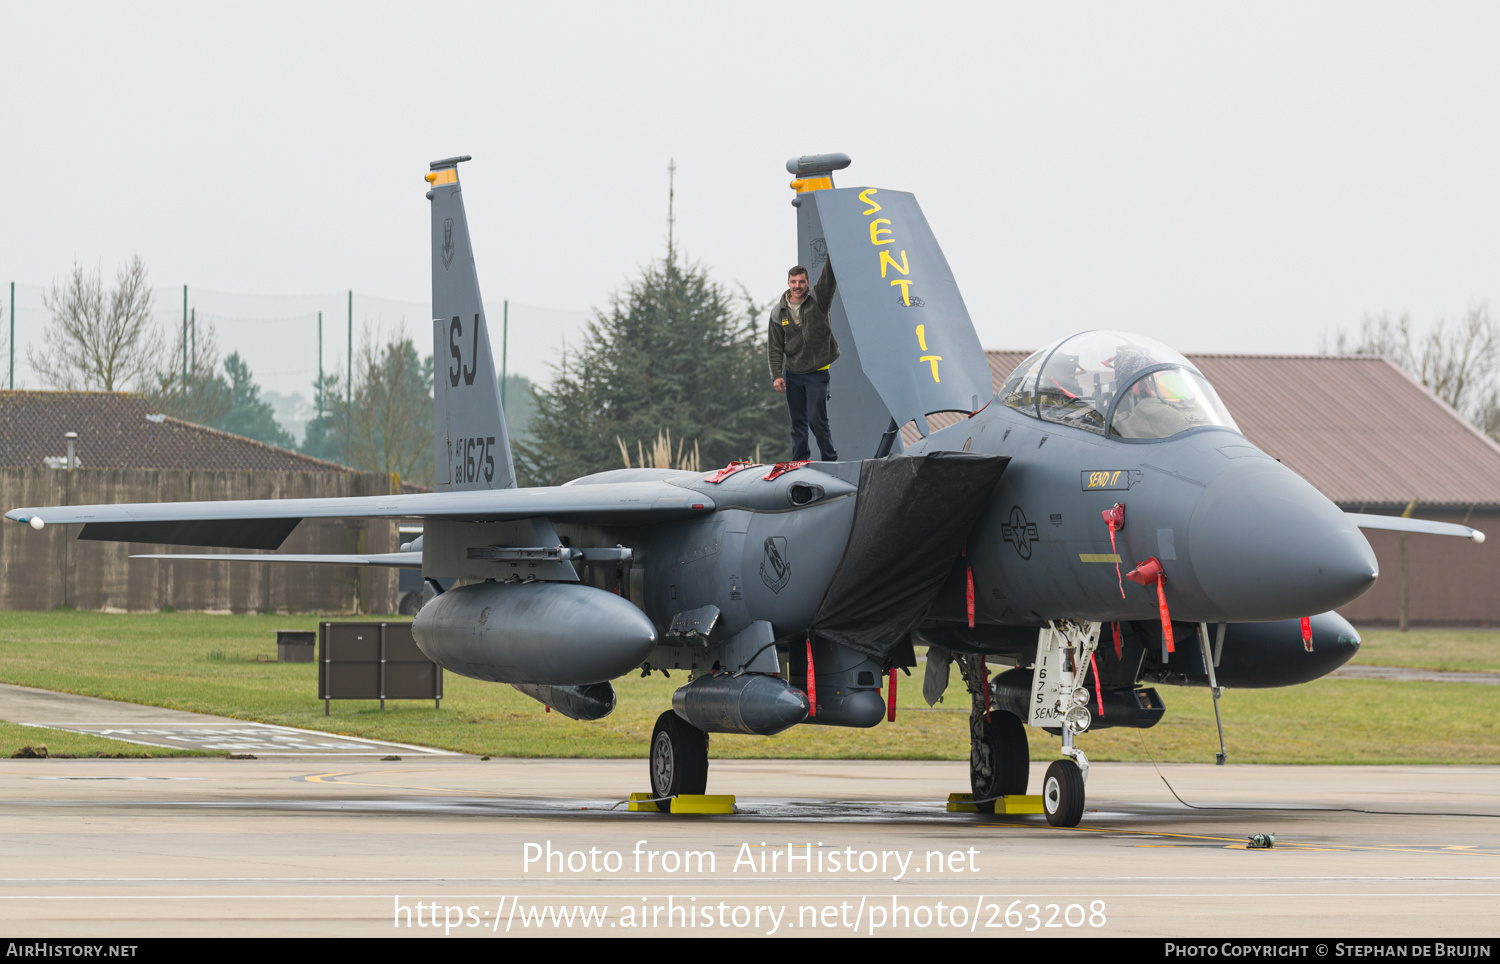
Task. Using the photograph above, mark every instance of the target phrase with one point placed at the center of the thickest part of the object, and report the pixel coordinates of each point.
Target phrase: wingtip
(19, 515)
(1477, 536)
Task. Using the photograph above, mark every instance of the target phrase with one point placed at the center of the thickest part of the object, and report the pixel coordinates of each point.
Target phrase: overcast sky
(1225, 177)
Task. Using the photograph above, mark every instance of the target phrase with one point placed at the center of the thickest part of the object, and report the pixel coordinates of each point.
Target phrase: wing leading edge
(1399, 524)
(265, 523)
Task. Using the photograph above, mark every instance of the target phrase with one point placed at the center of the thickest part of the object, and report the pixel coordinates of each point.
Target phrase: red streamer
(1166, 617)
(890, 704)
(726, 472)
(1115, 517)
(1307, 633)
(1145, 574)
(1098, 688)
(781, 468)
(969, 594)
(812, 682)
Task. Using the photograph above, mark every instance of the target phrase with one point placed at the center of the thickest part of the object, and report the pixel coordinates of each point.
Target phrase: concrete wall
(50, 568)
(1451, 582)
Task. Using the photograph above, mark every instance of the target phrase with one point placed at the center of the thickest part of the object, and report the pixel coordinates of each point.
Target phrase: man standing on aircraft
(802, 347)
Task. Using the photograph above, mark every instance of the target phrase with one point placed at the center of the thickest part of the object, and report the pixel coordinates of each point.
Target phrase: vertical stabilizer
(856, 412)
(470, 444)
(898, 315)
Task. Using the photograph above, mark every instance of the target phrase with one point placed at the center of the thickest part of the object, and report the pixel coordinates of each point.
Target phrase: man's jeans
(807, 399)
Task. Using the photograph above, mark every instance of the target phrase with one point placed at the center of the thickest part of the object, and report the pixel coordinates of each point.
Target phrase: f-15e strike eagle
(1098, 525)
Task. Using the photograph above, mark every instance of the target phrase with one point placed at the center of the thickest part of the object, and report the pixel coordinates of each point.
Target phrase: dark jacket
(809, 346)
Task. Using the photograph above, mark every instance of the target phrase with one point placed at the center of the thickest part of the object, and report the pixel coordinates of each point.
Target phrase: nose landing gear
(1062, 794)
(1060, 698)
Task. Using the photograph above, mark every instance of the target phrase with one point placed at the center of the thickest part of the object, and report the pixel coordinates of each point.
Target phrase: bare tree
(197, 393)
(390, 424)
(99, 339)
(1459, 362)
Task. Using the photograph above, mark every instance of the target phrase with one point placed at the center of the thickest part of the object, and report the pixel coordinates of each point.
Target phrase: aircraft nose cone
(1267, 545)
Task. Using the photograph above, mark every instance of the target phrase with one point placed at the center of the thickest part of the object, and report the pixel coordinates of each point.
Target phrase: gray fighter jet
(1098, 526)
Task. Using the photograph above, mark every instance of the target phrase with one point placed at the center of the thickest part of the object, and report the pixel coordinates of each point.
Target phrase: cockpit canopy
(1139, 388)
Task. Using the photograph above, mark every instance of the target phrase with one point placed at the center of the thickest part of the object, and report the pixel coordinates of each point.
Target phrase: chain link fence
(278, 336)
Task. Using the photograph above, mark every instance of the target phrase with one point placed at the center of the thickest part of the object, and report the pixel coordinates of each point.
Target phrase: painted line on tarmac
(270, 739)
(328, 780)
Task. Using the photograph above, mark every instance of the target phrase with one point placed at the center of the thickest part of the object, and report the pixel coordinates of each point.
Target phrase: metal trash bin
(295, 645)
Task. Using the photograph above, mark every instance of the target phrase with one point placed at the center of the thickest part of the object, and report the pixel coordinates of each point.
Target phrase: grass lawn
(225, 665)
(1469, 650)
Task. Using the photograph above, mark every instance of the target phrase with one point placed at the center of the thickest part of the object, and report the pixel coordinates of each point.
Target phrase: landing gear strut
(999, 759)
(679, 757)
(1064, 652)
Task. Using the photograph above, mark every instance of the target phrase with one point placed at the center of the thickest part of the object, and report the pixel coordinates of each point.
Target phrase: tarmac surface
(1406, 673)
(317, 847)
(311, 840)
(155, 726)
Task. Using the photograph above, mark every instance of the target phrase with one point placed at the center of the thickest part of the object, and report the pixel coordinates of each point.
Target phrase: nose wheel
(1062, 794)
(679, 757)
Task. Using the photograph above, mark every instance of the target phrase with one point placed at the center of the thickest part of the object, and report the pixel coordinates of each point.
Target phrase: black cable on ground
(1388, 813)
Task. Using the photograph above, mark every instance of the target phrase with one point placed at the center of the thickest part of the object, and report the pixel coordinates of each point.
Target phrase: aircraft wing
(395, 560)
(1399, 524)
(265, 523)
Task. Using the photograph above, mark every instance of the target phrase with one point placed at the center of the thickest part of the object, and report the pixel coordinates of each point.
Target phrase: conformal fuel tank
(554, 633)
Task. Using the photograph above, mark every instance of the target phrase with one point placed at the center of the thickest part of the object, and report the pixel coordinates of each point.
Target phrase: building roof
(1359, 428)
(117, 430)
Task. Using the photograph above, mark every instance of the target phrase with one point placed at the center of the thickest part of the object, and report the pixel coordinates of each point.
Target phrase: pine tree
(675, 353)
(249, 414)
(327, 436)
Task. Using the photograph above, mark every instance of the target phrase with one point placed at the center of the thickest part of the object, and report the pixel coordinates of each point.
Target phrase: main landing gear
(679, 757)
(999, 760)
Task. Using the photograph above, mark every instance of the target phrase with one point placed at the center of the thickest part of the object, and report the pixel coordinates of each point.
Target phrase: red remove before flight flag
(1145, 574)
(969, 585)
(984, 674)
(1114, 516)
(781, 468)
(1307, 633)
(890, 706)
(812, 683)
(1098, 687)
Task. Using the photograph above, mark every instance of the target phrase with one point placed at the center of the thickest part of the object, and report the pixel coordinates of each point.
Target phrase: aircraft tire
(679, 757)
(999, 758)
(1062, 794)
